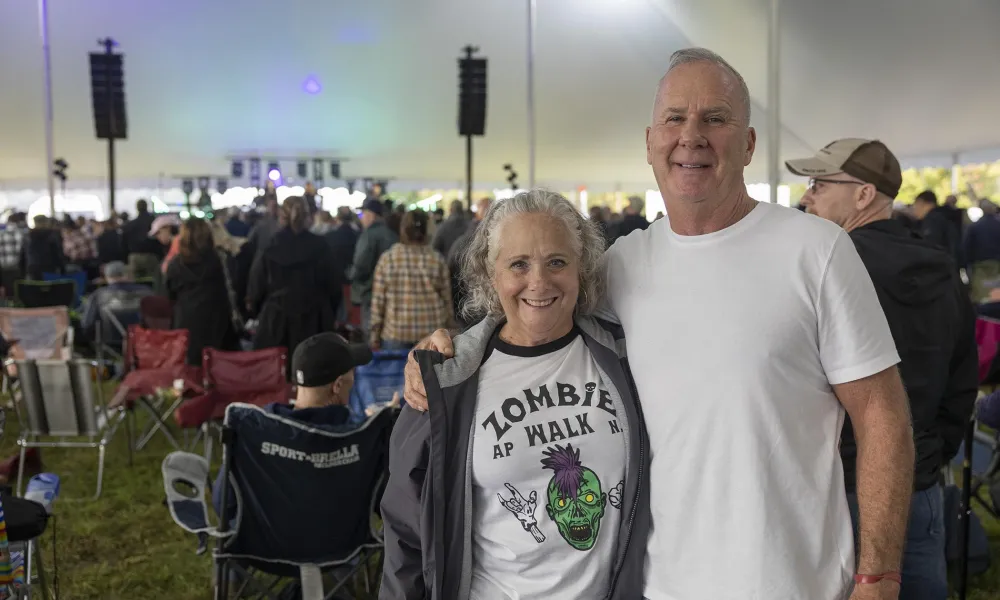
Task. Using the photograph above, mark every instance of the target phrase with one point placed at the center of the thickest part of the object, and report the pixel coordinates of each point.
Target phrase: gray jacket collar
(471, 346)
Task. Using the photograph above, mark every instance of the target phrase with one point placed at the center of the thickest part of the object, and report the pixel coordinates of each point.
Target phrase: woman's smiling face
(537, 278)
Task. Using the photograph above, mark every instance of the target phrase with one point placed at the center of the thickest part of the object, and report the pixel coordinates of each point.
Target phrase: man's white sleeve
(854, 337)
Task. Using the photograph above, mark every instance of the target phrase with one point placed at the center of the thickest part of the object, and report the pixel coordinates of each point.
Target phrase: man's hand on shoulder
(413, 390)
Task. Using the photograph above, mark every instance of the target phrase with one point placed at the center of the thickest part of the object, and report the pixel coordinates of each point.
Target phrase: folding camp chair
(24, 522)
(376, 382)
(157, 312)
(255, 377)
(112, 330)
(79, 279)
(60, 399)
(304, 499)
(154, 361)
(37, 332)
(38, 294)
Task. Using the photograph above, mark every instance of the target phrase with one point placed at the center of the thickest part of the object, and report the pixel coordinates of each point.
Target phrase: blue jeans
(925, 570)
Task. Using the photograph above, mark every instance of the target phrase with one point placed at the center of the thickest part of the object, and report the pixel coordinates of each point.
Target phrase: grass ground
(126, 547)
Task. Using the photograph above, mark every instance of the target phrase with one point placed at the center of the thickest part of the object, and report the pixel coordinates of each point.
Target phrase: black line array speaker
(107, 85)
(471, 96)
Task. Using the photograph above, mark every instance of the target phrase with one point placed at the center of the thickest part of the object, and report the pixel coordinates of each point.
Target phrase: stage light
(312, 85)
(274, 175)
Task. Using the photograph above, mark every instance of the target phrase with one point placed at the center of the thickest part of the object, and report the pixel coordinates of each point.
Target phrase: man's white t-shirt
(548, 471)
(734, 340)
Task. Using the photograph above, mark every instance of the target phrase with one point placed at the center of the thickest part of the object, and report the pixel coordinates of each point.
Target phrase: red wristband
(891, 576)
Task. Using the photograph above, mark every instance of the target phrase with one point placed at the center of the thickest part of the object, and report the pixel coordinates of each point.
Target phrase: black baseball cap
(374, 206)
(322, 358)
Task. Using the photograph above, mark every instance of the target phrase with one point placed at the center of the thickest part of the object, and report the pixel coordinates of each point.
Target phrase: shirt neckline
(529, 351)
(752, 217)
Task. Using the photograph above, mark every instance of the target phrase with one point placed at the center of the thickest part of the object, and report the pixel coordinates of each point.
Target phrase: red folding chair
(255, 377)
(155, 360)
(157, 312)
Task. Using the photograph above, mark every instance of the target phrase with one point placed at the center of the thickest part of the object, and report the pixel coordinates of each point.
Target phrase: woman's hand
(413, 391)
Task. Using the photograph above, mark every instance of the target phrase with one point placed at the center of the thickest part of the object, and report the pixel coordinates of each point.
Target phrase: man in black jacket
(853, 183)
(937, 224)
(142, 252)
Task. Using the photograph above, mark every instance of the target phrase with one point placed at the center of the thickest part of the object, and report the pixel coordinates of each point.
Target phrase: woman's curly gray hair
(479, 260)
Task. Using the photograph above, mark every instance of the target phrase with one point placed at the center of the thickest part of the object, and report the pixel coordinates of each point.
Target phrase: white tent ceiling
(206, 78)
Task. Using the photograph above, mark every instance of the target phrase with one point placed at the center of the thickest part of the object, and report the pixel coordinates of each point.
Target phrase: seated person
(120, 293)
(323, 369)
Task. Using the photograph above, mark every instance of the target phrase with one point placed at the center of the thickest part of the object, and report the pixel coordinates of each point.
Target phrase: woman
(196, 286)
(411, 291)
(293, 287)
(525, 479)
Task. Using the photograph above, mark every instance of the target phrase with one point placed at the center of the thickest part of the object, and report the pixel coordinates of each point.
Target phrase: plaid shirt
(78, 246)
(11, 243)
(411, 294)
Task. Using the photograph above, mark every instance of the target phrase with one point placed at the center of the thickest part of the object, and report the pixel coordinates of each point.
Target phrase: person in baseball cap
(853, 183)
(323, 369)
(850, 181)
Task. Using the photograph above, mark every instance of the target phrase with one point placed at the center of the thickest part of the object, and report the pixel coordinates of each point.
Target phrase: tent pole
(531, 94)
(773, 101)
(955, 170)
(43, 23)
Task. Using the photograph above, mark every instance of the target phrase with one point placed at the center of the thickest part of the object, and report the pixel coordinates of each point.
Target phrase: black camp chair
(305, 497)
(38, 294)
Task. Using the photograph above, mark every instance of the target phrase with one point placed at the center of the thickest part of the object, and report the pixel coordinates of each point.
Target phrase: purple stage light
(274, 175)
(312, 85)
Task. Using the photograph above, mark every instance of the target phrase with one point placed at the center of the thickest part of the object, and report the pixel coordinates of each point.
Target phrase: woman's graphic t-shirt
(548, 472)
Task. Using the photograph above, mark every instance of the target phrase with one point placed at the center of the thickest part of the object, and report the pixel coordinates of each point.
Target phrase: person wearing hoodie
(42, 251)
(937, 225)
(294, 288)
(853, 183)
(197, 287)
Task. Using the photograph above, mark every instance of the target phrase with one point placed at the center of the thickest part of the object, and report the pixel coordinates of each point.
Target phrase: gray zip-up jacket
(427, 505)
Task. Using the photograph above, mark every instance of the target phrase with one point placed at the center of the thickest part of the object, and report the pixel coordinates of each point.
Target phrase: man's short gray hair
(692, 55)
(479, 260)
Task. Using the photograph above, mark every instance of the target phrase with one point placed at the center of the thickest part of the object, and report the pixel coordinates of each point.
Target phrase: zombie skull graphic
(575, 501)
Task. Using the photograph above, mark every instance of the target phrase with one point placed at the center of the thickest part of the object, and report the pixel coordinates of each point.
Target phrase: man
(313, 201)
(142, 253)
(456, 254)
(323, 371)
(451, 229)
(936, 225)
(236, 224)
(745, 399)
(373, 242)
(633, 219)
(853, 184)
(267, 226)
(342, 240)
(981, 251)
(118, 293)
(11, 243)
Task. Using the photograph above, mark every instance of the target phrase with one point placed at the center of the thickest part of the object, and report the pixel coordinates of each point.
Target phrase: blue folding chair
(376, 382)
(79, 279)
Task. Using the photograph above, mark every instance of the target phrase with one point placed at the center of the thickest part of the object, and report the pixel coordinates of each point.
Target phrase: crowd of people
(734, 388)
